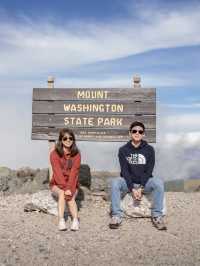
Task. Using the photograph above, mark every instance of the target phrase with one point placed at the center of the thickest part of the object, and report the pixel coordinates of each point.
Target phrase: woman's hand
(68, 192)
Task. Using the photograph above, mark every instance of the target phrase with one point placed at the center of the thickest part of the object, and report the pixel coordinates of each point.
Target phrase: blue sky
(99, 43)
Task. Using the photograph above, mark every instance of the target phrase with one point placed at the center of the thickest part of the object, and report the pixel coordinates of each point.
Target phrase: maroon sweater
(65, 171)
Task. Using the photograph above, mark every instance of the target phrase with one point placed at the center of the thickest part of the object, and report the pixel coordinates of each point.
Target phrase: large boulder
(44, 201)
(134, 208)
(85, 176)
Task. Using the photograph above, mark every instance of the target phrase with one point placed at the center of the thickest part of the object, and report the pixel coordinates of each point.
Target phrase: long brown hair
(59, 146)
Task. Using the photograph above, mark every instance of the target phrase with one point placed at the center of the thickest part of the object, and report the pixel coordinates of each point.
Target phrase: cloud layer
(40, 47)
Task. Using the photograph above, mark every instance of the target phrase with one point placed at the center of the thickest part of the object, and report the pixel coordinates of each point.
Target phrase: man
(137, 159)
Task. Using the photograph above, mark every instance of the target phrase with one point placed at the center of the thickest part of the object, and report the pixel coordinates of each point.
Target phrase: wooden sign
(93, 114)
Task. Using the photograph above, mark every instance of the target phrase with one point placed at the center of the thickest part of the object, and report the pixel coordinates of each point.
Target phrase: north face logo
(136, 158)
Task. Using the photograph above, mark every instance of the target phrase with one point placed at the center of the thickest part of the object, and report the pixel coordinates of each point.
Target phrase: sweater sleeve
(73, 176)
(57, 171)
(149, 167)
(125, 170)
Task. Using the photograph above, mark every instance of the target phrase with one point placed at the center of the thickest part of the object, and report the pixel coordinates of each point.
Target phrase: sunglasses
(66, 138)
(134, 131)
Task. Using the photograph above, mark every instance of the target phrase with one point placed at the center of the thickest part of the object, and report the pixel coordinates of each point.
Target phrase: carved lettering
(92, 121)
(105, 121)
(77, 121)
(92, 94)
(94, 108)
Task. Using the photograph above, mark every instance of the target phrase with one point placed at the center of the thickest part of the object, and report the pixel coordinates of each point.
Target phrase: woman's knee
(61, 194)
(57, 192)
(70, 200)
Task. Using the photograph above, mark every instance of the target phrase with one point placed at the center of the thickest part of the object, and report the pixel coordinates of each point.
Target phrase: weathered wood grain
(81, 120)
(59, 94)
(94, 114)
(101, 107)
(91, 134)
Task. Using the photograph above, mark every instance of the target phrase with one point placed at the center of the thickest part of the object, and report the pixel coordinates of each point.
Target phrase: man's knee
(158, 184)
(116, 183)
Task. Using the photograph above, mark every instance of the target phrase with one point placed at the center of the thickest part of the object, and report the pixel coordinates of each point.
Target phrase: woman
(65, 162)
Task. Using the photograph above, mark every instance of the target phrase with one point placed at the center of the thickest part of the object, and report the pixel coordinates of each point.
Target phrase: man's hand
(137, 193)
(68, 192)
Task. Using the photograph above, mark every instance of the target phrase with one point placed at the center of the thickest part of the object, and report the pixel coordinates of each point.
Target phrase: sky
(101, 44)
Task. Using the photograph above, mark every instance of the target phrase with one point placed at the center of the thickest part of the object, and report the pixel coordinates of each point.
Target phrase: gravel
(33, 239)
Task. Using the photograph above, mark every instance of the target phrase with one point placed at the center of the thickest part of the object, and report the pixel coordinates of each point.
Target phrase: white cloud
(17, 149)
(122, 81)
(186, 139)
(178, 139)
(42, 46)
(192, 105)
(183, 122)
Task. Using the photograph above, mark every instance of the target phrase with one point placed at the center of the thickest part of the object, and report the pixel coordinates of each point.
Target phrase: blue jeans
(119, 189)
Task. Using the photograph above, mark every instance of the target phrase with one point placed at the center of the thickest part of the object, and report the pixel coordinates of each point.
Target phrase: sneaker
(115, 222)
(159, 223)
(75, 225)
(62, 225)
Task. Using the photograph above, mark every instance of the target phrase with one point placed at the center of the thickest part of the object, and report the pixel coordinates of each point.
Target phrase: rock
(81, 194)
(14, 184)
(4, 183)
(25, 174)
(42, 176)
(42, 201)
(28, 180)
(85, 176)
(197, 189)
(135, 208)
(5, 176)
(30, 207)
(5, 171)
(32, 187)
(98, 183)
(26, 171)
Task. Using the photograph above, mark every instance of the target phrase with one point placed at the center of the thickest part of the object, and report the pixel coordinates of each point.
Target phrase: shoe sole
(160, 229)
(74, 230)
(64, 229)
(114, 226)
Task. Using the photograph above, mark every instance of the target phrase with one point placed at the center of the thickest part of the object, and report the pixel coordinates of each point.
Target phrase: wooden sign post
(51, 143)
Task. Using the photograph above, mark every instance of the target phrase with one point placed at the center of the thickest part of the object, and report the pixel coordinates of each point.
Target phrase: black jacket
(136, 163)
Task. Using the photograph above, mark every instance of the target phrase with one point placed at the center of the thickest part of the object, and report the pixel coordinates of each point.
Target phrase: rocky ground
(33, 239)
